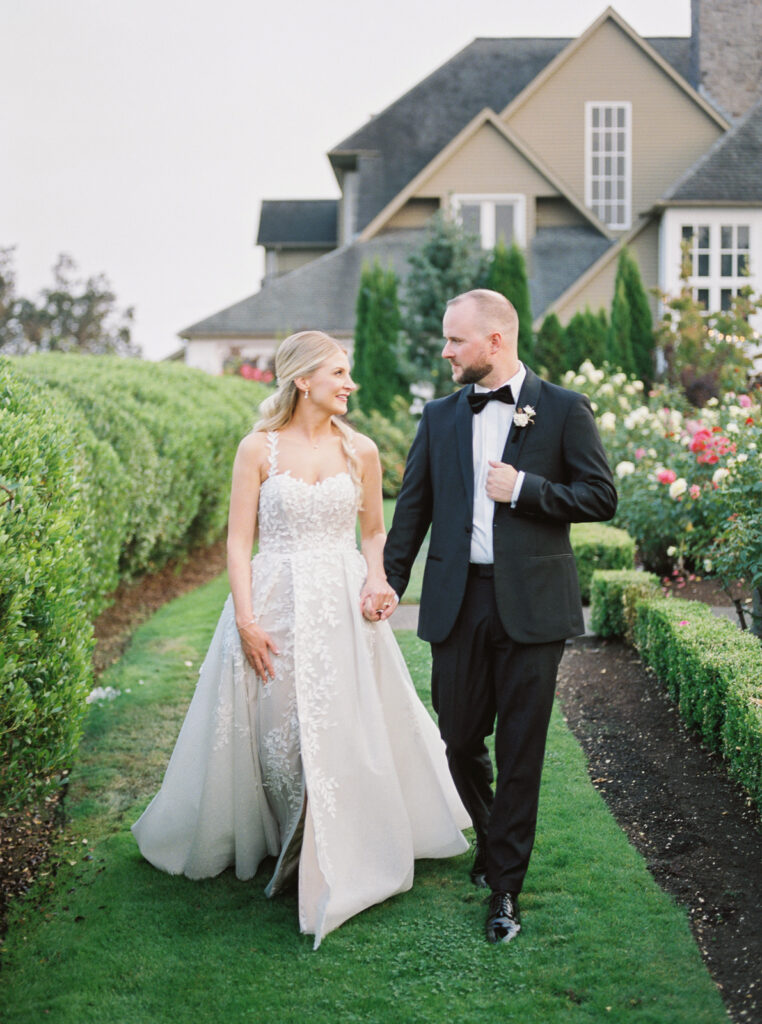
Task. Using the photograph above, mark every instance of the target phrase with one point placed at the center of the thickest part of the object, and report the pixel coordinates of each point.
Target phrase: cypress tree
(508, 275)
(598, 331)
(619, 351)
(377, 328)
(575, 341)
(641, 321)
(549, 348)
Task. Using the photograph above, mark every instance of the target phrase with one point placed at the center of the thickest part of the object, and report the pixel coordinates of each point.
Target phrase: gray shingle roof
(400, 141)
(298, 222)
(558, 257)
(732, 169)
(322, 293)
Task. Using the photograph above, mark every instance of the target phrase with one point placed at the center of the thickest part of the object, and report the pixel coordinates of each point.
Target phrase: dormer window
(492, 218)
(608, 162)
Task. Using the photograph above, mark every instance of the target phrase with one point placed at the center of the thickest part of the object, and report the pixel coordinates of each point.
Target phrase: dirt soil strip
(698, 831)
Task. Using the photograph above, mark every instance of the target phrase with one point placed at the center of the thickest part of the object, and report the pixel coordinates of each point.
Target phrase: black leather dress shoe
(503, 919)
(478, 872)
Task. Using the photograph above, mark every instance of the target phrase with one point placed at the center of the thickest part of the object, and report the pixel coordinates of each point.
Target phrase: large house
(572, 148)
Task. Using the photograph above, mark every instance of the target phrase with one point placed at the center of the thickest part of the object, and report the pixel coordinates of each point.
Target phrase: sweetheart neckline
(298, 480)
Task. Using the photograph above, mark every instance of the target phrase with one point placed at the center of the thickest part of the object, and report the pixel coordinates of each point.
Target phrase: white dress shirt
(489, 434)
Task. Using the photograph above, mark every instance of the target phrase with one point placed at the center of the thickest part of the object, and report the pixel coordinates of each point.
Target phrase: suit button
(468, 529)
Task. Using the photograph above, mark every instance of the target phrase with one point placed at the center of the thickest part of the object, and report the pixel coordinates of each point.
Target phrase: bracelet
(245, 624)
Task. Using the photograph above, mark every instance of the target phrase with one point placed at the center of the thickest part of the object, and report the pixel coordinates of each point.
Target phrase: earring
(306, 392)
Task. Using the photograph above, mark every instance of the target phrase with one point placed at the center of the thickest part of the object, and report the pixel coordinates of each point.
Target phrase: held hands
(377, 599)
(501, 479)
(257, 645)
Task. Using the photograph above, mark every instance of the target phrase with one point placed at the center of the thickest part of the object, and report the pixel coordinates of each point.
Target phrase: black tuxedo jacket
(567, 480)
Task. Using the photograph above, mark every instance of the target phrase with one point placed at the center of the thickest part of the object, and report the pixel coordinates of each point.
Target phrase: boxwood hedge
(108, 468)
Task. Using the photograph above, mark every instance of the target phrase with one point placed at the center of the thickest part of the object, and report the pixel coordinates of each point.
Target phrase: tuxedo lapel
(464, 433)
(529, 395)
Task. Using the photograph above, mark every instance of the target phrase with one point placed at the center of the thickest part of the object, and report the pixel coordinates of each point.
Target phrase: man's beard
(473, 374)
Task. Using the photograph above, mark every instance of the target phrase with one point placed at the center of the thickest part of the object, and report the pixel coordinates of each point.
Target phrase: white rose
(594, 406)
(719, 475)
(712, 402)
(742, 457)
(638, 385)
(708, 565)
(580, 381)
(625, 469)
(520, 419)
(735, 411)
(671, 551)
(732, 428)
(608, 421)
(678, 487)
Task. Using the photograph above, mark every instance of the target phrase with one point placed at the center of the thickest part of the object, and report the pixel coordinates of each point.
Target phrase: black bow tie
(478, 399)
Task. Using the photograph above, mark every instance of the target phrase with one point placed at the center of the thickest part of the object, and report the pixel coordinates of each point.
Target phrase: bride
(305, 739)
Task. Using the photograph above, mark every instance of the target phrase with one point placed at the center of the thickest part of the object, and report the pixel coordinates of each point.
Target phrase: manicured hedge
(711, 669)
(109, 467)
(45, 631)
(598, 546)
(612, 592)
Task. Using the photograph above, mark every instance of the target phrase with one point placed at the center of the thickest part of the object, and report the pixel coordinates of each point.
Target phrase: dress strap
(272, 452)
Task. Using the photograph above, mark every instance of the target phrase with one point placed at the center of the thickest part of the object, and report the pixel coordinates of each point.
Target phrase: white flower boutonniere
(524, 417)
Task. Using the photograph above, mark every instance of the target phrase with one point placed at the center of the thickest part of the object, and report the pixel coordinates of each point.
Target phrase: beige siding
(598, 290)
(669, 130)
(291, 259)
(557, 213)
(416, 213)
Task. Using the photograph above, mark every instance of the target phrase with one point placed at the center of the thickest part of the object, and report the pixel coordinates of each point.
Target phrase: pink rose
(744, 401)
(639, 453)
(695, 491)
(666, 476)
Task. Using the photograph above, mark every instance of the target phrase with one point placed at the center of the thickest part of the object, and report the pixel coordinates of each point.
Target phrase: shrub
(45, 632)
(613, 592)
(714, 673)
(108, 467)
(393, 434)
(597, 546)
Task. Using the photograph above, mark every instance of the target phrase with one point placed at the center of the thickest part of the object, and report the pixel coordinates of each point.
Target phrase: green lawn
(110, 940)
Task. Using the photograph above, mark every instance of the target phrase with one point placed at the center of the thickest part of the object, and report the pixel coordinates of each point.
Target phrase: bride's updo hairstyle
(299, 356)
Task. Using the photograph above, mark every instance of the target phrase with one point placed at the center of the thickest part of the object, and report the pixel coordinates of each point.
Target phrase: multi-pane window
(719, 255)
(608, 162)
(492, 218)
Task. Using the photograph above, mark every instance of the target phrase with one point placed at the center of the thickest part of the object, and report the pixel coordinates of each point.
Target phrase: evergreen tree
(448, 262)
(507, 274)
(377, 328)
(641, 321)
(598, 332)
(619, 351)
(549, 354)
(575, 341)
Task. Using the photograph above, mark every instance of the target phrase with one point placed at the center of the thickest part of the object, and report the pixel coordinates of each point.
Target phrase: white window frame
(488, 202)
(715, 282)
(624, 204)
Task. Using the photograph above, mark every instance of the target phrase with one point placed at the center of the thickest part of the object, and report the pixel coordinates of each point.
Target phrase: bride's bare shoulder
(365, 447)
(253, 447)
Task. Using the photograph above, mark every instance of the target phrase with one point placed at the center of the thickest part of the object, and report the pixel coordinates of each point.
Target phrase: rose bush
(689, 481)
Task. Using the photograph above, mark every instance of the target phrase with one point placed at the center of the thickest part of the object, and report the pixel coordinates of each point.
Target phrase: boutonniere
(524, 417)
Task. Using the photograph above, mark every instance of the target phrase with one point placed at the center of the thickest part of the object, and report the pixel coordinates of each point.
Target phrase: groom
(498, 470)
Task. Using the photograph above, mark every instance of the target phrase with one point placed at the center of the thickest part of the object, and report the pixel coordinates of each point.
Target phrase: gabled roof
(321, 294)
(730, 172)
(558, 257)
(484, 117)
(683, 82)
(298, 222)
(395, 145)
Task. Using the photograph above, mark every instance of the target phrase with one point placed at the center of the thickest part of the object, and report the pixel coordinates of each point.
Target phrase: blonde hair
(299, 356)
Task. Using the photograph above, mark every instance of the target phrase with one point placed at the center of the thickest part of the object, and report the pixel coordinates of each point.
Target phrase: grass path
(112, 941)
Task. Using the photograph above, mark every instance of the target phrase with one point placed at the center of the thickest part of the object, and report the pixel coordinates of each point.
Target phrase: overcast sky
(140, 136)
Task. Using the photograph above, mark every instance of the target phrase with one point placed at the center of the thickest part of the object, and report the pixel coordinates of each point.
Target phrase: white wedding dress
(334, 767)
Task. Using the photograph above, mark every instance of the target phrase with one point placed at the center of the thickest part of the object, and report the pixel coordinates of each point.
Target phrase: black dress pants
(479, 675)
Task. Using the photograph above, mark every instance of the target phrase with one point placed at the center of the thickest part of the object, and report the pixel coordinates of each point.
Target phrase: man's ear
(495, 341)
